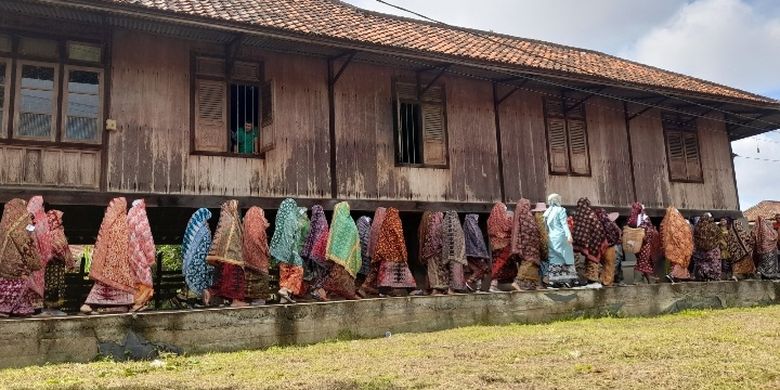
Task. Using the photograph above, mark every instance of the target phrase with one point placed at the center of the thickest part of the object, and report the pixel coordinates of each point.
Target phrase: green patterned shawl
(344, 241)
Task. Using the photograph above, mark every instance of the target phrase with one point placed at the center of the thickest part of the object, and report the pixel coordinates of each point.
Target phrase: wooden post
(158, 281)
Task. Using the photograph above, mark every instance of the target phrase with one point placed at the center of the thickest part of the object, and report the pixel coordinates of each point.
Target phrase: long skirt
(480, 268)
(256, 284)
(339, 282)
(291, 278)
(504, 265)
(229, 282)
(438, 274)
(457, 279)
(707, 265)
(54, 282)
(199, 276)
(396, 275)
(609, 260)
(15, 297)
(766, 265)
(561, 273)
(528, 275)
(644, 259)
(744, 268)
(314, 274)
(679, 272)
(592, 270)
(103, 295)
(369, 283)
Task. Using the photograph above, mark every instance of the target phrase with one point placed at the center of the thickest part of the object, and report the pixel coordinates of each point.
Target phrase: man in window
(245, 138)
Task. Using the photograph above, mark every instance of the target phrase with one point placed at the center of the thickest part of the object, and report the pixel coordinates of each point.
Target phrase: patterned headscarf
(475, 240)
(228, 238)
(18, 254)
(706, 233)
(303, 229)
(676, 238)
(453, 239)
(364, 230)
(612, 231)
(433, 240)
(765, 237)
(110, 261)
(588, 231)
(317, 238)
(376, 227)
(740, 241)
(343, 246)
(142, 252)
(195, 247)
(286, 234)
(59, 242)
(391, 246)
(525, 233)
(255, 246)
(499, 226)
(637, 215)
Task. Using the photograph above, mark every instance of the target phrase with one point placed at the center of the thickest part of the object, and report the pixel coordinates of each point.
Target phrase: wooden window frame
(56, 96)
(667, 149)
(228, 80)
(565, 117)
(6, 98)
(419, 101)
(14, 59)
(101, 97)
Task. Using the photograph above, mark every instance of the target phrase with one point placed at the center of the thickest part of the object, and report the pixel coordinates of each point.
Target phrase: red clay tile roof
(333, 19)
(765, 208)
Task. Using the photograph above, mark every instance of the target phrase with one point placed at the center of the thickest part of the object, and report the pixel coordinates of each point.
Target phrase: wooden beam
(585, 99)
(646, 109)
(630, 150)
(436, 78)
(510, 93)
(333, 79)
(499, 148)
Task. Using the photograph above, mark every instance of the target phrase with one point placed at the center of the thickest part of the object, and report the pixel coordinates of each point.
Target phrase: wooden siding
(56, 167)
(365, 164)
(151, 102)
(717, 192)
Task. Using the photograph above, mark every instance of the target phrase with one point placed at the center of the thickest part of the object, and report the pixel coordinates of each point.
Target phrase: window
(420, 125)
(57, 96)
(682, 147)
(567, 138)
(230, 112)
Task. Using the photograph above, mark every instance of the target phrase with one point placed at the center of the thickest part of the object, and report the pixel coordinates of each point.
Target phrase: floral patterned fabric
(111, 265)
(707, 264)
(198, 274)
(142, 251)
(14, 297)
(706, 234)
(499, 225)
(19, 255)
(228, 238)
(588, 231)
(376, 227)
(431, 253)
(454, 249)
(42, 238)
(741, 247)
(765, 237)
(286, 233)
(475, 239)
(391, 253)
(645, 259)
(343, 245)
(364, 230)
(767, 265)
(525, 233)
(677, 241)
(255, 251)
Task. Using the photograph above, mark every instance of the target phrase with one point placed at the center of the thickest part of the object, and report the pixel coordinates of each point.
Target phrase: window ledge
(428, 166)
(41, 143)
(260, 155)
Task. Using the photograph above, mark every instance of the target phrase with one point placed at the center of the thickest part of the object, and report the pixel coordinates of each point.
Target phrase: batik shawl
(317, 238)
(588, 231)
(433, 240)
(59, 241)
(422, 233)
(637, 215)
(740, 242)
(391, 246)
(544, 236)
(111, 264)
(198, 274)
(453, 239)
(228, 238)
(765, 237)
(612, 231)
(142, 251)
(499, 226)
(364, 229)
(343, 246)
(525, 233)
(376, 227)
(255, 245)
(645, 259)
(303, 230)
(19, 255)
(676, 238)
(286, 234)
(705, 234)
(475, 240)
(42, 238)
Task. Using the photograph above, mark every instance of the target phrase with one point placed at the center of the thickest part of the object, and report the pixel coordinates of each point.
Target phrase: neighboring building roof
(333, 19)
(766, 208)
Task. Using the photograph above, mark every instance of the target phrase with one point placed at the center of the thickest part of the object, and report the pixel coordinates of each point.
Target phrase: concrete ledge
(26, 342)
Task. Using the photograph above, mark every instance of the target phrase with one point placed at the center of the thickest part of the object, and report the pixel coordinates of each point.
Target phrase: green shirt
(246, 140)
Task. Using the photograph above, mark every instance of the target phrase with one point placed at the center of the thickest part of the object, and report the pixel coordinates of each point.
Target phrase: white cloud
(757, 180)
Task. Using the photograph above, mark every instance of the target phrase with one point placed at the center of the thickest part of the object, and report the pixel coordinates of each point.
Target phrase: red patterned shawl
(142, 251)
(110, 261)
(255, 246)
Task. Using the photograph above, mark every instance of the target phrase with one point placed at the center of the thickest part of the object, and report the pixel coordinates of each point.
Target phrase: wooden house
(188, 103)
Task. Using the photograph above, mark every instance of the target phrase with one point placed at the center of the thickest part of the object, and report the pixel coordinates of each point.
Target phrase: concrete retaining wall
(75, 339)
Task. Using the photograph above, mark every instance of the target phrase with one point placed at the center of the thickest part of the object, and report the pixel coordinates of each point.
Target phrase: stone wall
(75, 339)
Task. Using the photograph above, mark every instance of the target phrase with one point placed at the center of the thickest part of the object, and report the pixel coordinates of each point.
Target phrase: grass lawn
(728, 349)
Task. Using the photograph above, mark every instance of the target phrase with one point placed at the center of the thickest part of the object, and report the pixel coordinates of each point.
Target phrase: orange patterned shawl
(255, 246)
(391, 246)
(499, 225)
(228, 239)
(676, 238)
(110, 261)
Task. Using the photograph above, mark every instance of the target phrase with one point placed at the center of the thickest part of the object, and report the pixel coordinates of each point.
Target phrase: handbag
(632, 239)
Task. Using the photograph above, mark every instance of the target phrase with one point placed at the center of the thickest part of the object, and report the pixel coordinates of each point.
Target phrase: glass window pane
(36, 47)
(84, 52)
(36, 101)
(5, 43)
(83, 102)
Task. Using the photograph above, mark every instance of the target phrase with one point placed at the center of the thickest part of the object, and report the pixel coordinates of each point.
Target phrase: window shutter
(556, 139)
(246, 71)
(210, 116)
(435, 146)
(692, 158)
(676, 151)
(553, 107)
(267, 104)
(578, 144)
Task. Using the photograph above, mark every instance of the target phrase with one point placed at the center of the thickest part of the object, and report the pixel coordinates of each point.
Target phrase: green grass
(728, 349)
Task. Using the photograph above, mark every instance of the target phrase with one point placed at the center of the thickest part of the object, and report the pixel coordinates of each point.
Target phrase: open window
(682, 148)
(567, 137)
(232, 109)
(420, 125)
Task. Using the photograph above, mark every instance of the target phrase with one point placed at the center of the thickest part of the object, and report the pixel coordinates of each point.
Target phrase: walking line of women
(528, 248)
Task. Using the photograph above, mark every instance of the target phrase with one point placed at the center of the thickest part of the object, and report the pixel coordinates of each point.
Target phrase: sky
(732, 42)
